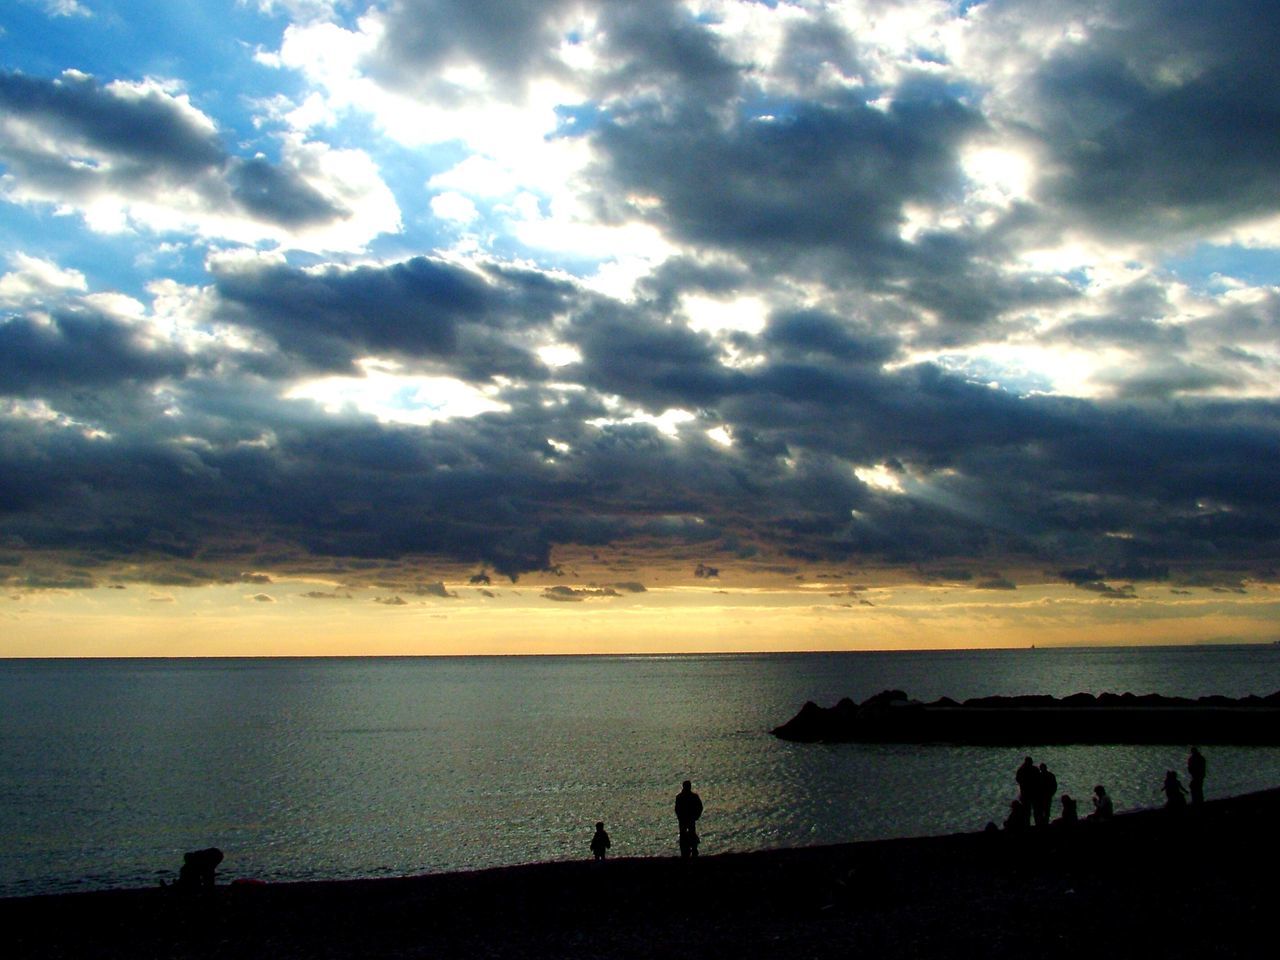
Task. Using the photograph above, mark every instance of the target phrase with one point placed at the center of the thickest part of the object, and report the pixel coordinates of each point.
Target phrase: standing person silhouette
(600, 842)
(688, 810)
(1195, 770)
(1028, 780)
(1046, 787)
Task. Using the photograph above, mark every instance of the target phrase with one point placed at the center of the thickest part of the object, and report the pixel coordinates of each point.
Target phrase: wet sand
(1147, 884)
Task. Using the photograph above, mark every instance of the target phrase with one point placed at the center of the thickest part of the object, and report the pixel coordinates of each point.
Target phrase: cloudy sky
(526, 325)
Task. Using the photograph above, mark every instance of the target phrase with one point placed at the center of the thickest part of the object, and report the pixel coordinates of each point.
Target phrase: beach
(1149, 883)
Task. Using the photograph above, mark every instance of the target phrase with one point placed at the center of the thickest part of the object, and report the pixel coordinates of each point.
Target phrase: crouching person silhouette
(198, 867)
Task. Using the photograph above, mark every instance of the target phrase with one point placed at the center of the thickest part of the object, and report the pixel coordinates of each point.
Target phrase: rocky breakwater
(892, 717)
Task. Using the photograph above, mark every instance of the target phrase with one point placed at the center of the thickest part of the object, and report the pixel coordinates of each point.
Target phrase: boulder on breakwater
(892, 717)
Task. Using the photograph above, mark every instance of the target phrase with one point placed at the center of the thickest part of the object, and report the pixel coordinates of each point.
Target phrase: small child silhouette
(600, 842)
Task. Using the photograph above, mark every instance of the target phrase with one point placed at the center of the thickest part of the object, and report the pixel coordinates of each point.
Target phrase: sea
(306, 769)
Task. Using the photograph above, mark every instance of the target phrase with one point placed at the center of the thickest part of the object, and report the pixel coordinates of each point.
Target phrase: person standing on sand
(1028, 780)
(1195, 770)
(600, 842)
(688, 810)
(1046, 787)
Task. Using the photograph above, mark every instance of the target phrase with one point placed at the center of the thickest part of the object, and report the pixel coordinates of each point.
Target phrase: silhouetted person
(1019, 817)
(1046, 787)
(1195, 770)
(600, 842)
(1103, 809)
(198, 868)
(1028, 779)
(1174, 792)
(688, 810)
(1069, 813)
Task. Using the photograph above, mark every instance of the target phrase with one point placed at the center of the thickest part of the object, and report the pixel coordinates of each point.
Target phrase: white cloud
(454, 206)
(67, 8)
(513, 156)
(33, 277)
(479, 176)
(297, 10)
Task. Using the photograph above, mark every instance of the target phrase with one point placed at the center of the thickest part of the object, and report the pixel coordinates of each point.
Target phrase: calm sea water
(307, 769)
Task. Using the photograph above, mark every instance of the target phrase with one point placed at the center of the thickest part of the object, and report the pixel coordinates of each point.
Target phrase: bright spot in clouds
(667, 423)
(879, 477)
(999, 175)
(394, 397)
(741, 314)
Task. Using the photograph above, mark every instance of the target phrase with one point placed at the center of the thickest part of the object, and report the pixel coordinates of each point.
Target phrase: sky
(494, 326)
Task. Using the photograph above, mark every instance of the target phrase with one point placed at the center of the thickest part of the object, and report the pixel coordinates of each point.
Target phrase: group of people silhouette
(1175, 793)
(688, 812)
(1037, 786)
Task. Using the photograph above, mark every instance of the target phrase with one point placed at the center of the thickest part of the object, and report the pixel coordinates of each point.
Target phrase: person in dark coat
(1195, 770)
(1175, 793)
(1046, 787)
(600, 842)
(1028, 780)
(688, 810)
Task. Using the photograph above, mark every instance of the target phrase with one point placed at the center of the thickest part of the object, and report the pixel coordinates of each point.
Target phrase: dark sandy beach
(1148, 884)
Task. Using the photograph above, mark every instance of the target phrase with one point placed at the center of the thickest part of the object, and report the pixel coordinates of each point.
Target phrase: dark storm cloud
(276, 196)
(813, 46)
(516, 41)
(1162, 378)
(818, 190)
(795, 191)
(421, 308)
(820, 178)
(810, 332)
(1182, 485)
(647, 359)
(358, 491)
(510, 39)
(1164, 118)
(149, 130)
(78, 349)
(78, 139)
(660, 44)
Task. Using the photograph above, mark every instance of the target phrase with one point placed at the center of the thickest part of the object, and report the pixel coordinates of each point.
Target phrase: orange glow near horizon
(289, 620)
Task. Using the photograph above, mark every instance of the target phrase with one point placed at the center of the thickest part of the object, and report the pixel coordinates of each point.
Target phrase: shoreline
(1148, 882)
